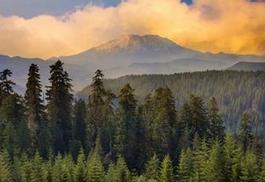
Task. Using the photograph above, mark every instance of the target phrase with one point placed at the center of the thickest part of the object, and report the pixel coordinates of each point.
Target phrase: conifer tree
(245, 132)
(230, 151)
(79, 127)
(152, 169)
(200, 122)
(59, 106)
(6, 85)
(100, 112)
(5, 173)
(200, 162)
(167, 172)
(164, 123)
(95, 169)
(216, 125)
(185, 166)
(126, 137)
(36, 171)
(249, 171)
(122, 170)
(214, 169)
(36, 117)
(80, 171)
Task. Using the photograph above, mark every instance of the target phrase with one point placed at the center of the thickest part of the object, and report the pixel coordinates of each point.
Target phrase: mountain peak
(138, 42)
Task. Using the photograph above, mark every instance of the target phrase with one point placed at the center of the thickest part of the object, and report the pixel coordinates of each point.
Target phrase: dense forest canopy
(235, 92)
(112, 136)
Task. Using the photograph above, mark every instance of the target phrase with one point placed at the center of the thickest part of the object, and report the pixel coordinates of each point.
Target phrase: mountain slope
(131, 54)
(248, 66)
(236, 92)
(134, 54)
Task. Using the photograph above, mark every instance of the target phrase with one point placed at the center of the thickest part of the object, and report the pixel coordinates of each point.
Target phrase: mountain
(130, 54)
(248, 66)
(135, 54)
(236, 92)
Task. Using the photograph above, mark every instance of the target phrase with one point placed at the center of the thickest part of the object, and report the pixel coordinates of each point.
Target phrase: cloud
(234, 26)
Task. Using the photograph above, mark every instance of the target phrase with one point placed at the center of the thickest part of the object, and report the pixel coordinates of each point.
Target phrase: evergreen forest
(53, 136)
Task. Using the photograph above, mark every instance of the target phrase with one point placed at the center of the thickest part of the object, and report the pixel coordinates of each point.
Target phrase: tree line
(55, 137)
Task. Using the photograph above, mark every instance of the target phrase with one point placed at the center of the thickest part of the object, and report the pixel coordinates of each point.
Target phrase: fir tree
(6, 85)
(230, 151)
(152, 169)
(185, 166)
(216, 125)
(249, 171)
(167, 172)
(5, 173)
(214, 169)
(164, 123)
(36, 118)
(59, 106)
(95, 169)
(200, 159)
(200, 122)
(245, 132)
(126, 135)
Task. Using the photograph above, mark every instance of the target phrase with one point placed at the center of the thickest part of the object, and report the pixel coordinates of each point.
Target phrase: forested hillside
(235, 92)
(115, 138)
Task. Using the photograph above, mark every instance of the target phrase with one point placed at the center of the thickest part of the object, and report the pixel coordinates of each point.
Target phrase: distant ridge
(248, 66)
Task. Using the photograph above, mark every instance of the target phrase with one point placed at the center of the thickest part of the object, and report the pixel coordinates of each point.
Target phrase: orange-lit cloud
(236, 26)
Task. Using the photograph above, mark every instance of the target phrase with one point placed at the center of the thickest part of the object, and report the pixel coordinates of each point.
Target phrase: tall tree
(185, 166)
(35, 111)
(5, 84)
(214, 169)
(245, 132)
(59, 106)
(167, 172)
(164, 123)
(200, 122)
(152, 169)
(126, 137)
(100, 112)
(79, 129)
(216, 124)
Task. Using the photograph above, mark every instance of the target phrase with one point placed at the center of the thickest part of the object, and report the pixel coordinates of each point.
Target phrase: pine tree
(100, 113)
(249, 171)
(36, 171)
(79, 127)
(230, 151)
(261, 175)
(245, 132)
(80, 171)
(164, 122)
(126, 135)
(152, 169)
(5, 173)
(236, 164)
(214, 169)
(185, 117)
(185, 166)
(200, 122)
(167, 172)
(59, 106)
(200, 162)
(122, 171)
(36, 117)
(95, 169)
(216, 125)
(5, 84)
(16, 134)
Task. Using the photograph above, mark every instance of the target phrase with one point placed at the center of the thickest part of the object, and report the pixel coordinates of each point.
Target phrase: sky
(47, 28)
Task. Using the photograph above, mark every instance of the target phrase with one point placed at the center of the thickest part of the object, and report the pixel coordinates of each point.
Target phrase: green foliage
(185, 166)
(166, 171)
